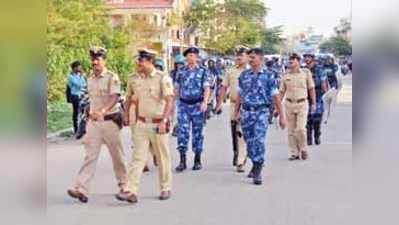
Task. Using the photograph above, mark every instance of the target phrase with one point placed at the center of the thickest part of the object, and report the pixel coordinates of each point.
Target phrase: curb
(58, 133)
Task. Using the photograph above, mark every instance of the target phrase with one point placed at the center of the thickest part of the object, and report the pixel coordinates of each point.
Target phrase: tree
(73, 26)
(337, 45)
(226, 25)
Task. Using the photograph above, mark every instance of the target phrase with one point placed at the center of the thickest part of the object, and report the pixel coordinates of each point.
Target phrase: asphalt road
(313, 192)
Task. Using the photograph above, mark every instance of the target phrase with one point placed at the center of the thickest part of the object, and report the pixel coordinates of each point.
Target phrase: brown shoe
(146, 169)
(126, 197)
(79, 195)
(304, 155)
(240, 168)
(165, 195)
(293, 157)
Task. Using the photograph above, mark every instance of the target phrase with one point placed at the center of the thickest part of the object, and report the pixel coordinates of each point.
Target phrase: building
(158, 24)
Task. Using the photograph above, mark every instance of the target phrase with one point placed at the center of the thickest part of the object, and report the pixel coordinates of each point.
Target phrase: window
(155, 19)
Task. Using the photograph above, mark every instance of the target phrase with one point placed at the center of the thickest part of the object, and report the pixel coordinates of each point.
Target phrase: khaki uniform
(101, 132)
(150, 93)
(231, 80)
(296, 86)
(133, 120)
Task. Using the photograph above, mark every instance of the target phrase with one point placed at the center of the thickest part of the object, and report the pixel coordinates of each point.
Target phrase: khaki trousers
(143, 136)
(297, 114)
(98, 133)
(242, 150)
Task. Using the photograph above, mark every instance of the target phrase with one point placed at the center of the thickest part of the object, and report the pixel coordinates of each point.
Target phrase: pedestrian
(230, 82)
(313, 125)
(295, 86)
(103, 127)
(257, 92)
(152, 90)
(77, 87)
(192, 90)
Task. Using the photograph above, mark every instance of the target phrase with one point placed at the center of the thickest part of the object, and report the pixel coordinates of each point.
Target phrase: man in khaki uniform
(231, 81)
(152, 91)
(295, 85)
(104, 90)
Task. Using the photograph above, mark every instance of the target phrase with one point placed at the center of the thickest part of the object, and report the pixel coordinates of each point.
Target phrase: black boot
(251, 172)
(258, 173)
(317, 134)
(197, 162)
(309, 132)
(182, 165)
(235, 141)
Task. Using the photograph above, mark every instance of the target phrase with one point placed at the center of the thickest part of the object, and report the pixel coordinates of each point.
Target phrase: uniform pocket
(155, 91)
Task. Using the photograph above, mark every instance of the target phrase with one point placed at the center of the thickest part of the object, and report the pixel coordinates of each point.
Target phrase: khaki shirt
(296, 85)
(100, 90)
(150, 92)
(231, 80)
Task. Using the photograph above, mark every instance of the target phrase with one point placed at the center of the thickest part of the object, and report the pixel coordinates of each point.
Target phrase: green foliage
(59, 116)
(225, 25)
(337, 45)
(73, 26)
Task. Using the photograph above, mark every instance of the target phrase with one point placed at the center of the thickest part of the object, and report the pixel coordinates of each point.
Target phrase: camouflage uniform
(256, 92)
(191, 84)
(314, 120)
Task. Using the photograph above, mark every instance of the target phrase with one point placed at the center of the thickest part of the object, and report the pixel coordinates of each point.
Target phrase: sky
(297, 15)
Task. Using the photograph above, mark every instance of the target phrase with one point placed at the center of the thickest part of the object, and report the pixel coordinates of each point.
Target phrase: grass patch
(59, 116)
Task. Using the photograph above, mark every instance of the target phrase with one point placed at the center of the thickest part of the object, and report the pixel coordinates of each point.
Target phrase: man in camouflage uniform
(192, 90)
(257, 92)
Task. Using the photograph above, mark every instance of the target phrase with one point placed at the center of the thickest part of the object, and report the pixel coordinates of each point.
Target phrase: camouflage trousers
(254, 126)
(190, 116)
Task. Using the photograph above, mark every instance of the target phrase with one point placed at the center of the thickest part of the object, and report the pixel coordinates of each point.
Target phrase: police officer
(103, 127)
(152, 91)
(159, 65)
(330, 98)
(230, 81)
(295, 86)
(179, 63)
(213, 73)
(271, 69)
(257, 91)
(313, 126)
(192, 89)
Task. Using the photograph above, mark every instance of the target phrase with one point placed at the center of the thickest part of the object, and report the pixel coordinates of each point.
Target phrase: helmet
(159, 62)
(179, 59)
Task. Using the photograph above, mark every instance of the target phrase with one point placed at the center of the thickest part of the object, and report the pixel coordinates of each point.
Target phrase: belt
(296, 101)
(191, 101)
(254, 108)
(149, 120)
(111, 116)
